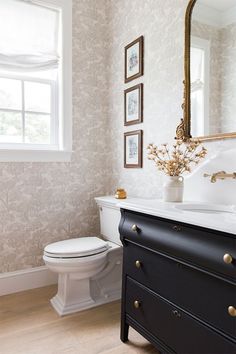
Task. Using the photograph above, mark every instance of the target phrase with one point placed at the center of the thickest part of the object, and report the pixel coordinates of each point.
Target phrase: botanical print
(132, 149)
(132, 105)
(133, 145)
(133, 60)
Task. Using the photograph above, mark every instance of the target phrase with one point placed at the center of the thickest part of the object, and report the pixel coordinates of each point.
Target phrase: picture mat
(132, 105)
(132, 149)
(132, 65)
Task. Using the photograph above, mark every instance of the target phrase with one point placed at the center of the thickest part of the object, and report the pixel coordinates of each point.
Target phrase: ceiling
(221, 5)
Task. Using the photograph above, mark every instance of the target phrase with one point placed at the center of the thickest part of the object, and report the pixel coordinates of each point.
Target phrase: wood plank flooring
(29, 325)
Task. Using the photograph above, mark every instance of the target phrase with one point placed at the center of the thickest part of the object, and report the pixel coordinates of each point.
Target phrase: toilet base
(80, 294)
(63, 310)
(73, 295)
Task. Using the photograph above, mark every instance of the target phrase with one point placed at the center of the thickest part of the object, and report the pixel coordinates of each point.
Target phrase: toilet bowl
(89, 268)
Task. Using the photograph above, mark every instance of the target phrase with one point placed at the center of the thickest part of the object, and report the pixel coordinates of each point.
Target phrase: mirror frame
(183, 130)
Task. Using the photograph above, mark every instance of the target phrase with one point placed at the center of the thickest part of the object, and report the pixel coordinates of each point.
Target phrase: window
(199, 86)
(35, 80)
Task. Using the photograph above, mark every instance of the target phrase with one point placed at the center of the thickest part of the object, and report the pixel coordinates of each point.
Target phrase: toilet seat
(76, 248)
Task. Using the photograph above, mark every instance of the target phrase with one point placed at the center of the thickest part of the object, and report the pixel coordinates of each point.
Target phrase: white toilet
(89, 268)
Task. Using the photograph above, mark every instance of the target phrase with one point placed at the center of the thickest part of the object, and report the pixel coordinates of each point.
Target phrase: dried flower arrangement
(179, 160)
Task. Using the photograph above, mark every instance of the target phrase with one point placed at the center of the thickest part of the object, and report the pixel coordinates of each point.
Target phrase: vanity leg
(124, 327)
(124, 331)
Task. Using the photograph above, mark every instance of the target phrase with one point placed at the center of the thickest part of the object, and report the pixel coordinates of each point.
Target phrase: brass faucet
(220, 175)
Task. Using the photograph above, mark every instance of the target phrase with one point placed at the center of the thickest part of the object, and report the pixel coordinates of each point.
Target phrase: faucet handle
(220, 175)
(212, 177)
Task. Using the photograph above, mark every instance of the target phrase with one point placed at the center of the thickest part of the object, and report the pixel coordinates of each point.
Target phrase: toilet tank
(109, 218)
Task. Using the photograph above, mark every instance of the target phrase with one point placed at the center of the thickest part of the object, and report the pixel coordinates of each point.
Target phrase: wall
(41, 203)
(162, 24)
(45, 202)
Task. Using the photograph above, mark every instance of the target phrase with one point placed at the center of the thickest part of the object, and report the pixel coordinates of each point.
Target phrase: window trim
(62, 151)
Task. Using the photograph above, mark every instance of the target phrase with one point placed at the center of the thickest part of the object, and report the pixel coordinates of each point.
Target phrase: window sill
(7, 155)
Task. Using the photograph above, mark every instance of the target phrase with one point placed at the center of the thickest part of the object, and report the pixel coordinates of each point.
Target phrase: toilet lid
(76, 247)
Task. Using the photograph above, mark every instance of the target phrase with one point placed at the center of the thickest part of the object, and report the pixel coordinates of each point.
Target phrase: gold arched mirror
(210, 70)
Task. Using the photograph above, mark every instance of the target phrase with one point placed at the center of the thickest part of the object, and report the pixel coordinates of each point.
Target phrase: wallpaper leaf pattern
(45, 202)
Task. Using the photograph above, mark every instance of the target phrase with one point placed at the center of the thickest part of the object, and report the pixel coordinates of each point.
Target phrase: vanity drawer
(195, 245)
(175, 328)
(199, 293)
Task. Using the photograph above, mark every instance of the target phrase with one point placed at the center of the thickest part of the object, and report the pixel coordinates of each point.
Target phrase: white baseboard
(26, 279)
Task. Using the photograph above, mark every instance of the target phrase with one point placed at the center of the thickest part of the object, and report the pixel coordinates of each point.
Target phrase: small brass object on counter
(120, 193)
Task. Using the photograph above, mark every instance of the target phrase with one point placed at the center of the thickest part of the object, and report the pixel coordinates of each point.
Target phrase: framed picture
(133, 100)
(134, 59)
(133, 149)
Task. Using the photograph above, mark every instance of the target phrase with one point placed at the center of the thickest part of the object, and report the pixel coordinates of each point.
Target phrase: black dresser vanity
(179, 277)
(178, 285)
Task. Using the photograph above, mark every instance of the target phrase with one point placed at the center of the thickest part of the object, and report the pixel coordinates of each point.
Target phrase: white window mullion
(23, 110)
(54, 114)
(10, 110)
(39, 113)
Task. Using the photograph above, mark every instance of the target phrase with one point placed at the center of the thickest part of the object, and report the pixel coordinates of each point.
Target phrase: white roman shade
(28, 36)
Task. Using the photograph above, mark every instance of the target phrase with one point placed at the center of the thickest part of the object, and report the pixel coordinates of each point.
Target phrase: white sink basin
(207, 208)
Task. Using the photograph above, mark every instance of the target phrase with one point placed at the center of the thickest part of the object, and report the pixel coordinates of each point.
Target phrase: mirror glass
(213, 67)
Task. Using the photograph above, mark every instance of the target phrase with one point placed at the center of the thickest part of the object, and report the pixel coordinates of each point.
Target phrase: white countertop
(225, 222)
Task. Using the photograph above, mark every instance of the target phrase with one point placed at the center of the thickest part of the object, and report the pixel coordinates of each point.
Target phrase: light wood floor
(29, 325)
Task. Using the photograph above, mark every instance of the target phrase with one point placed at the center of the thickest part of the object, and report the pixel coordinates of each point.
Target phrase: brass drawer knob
(228, 258)
(138, 264)
(232, 311)
(177, 228)
(176, 313)
(134, 228)
(137, 304)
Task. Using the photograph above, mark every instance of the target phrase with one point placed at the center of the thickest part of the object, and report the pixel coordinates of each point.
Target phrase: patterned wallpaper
(162, 25)
(44, 202)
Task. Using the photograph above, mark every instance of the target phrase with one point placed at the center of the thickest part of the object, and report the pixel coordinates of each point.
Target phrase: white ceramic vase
(173, 189)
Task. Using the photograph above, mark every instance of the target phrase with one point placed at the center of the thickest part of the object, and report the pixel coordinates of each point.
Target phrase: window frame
(204, 45)
(61, 151)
